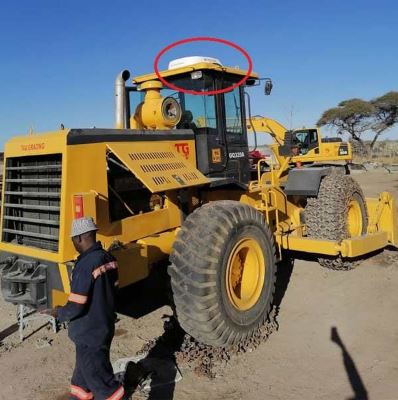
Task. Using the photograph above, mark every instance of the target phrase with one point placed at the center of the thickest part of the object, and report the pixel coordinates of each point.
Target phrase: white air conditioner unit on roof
(186, 61)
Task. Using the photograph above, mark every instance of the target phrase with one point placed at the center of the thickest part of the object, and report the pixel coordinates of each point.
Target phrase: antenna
(291, 116)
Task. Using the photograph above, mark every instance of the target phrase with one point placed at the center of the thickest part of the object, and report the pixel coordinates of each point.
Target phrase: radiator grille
(32, 201)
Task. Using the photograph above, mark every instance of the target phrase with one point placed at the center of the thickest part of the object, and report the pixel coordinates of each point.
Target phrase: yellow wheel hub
(245, 274)
(354, 219)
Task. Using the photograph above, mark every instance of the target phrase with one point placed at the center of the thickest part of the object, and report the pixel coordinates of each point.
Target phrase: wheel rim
(245, 274)
(354, 220)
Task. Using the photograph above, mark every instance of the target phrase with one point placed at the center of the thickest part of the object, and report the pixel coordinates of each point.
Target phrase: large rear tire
(223, 273)
(339, 212)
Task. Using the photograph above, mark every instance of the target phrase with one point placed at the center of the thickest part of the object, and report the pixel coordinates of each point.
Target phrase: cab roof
(194, 67)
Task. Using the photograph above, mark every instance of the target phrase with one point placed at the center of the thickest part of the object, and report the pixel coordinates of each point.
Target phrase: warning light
(78, 206)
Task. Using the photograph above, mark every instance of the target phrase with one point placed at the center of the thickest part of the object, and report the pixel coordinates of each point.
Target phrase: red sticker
(202, 39)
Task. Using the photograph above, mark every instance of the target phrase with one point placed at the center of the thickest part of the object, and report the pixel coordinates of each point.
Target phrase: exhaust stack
(120, 100)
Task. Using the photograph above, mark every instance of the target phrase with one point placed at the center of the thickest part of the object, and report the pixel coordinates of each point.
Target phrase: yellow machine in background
(304, 145)
(164, 187)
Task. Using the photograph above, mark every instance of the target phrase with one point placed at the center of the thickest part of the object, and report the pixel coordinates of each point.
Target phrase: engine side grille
(159, 169)
(32, 201)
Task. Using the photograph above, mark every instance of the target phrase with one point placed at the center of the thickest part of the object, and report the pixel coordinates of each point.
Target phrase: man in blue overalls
(90, 311)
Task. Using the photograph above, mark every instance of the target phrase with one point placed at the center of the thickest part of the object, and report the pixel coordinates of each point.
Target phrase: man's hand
(52, 312)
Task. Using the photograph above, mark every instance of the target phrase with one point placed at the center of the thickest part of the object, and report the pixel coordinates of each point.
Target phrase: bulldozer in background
(173, 182)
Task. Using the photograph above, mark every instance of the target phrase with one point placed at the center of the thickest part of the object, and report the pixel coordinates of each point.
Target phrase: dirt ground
(299, 361)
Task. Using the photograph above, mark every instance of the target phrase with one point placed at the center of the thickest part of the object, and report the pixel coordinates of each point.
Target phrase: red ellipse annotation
(203, 39)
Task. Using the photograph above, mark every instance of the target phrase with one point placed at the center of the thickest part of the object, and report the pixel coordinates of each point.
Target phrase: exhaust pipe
(120, 99)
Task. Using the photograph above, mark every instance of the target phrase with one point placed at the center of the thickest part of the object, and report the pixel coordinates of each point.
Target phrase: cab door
(307, 140)
(235, 135)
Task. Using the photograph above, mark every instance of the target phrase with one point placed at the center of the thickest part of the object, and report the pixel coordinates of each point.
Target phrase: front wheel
(223, 273)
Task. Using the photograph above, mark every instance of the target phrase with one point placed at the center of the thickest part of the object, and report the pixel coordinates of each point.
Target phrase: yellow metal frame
(143, 239)
(148, 238)
(383, 216)
(92, 185)
(281, 212)
(350, 248)
(194, 67)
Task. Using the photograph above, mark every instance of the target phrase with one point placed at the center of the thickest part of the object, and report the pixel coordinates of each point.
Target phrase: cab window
(313, 136)
(307, 137)
(301, 137)
(197, 111)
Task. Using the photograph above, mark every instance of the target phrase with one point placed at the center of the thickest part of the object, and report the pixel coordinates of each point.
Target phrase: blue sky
(59, 58)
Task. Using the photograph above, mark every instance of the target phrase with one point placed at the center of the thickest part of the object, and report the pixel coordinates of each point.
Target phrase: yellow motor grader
(173, 182)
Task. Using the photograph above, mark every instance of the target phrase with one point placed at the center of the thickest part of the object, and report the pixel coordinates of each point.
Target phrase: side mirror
(268, 87)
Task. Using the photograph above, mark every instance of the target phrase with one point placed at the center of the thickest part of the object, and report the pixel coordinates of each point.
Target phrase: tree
(352, 117)
(385, 114)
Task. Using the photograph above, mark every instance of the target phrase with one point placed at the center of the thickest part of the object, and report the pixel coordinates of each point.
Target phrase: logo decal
(183, 148)
(32, 146)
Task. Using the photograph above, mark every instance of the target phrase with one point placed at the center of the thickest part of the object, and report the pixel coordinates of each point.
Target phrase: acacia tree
(385, 114)
(352, 117)
(356, 116)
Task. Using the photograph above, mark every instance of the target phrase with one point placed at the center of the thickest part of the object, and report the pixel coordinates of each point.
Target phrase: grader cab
(173, 182)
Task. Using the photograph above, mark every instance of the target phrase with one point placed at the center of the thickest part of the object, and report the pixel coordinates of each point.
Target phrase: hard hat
(82, 225)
